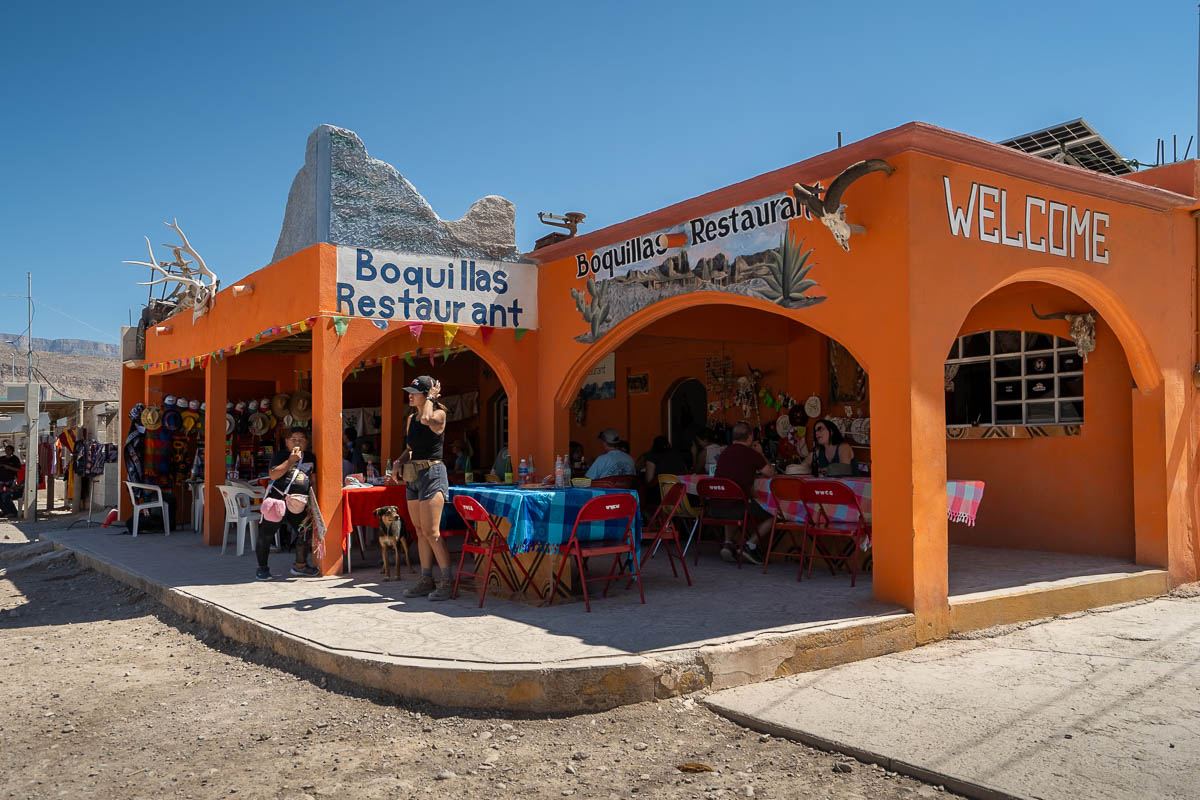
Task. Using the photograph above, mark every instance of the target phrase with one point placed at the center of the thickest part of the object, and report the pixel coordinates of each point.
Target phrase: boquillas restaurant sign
(745, 250)
(422, 288)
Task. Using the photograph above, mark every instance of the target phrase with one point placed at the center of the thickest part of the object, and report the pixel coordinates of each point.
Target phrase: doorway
(687, 413)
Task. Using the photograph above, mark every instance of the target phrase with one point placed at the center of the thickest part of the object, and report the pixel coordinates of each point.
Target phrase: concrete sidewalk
(1098, 704)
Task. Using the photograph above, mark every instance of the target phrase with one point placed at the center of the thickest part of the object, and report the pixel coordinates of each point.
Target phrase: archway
(686, 412)
(1047, 425)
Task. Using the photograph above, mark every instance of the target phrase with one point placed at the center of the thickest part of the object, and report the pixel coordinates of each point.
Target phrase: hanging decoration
(485, 333)
(340, 324)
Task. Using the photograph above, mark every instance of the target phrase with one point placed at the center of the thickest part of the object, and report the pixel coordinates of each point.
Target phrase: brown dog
(392, 537)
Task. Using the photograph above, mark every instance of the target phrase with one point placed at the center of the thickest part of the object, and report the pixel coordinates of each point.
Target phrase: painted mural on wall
(746, 250)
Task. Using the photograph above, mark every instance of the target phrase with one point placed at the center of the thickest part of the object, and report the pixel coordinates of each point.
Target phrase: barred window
(1013, 378)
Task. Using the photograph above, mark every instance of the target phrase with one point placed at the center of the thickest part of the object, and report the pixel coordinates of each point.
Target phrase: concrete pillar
(327, 438)
(215, 396)
(395, 402)
(33, 413)
(908, 488)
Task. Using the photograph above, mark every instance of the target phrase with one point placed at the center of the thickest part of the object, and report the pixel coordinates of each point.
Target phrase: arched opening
(686, 412)
(1046, 423)
(707, 366)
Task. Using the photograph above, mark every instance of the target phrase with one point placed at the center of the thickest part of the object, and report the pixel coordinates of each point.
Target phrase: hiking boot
(727, 553)
(751, 555)
(262, 574)
(422, 587)
(305, 572)
(444, 590)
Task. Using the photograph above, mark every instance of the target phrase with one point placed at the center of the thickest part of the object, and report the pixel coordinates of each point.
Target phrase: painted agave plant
(786, 281)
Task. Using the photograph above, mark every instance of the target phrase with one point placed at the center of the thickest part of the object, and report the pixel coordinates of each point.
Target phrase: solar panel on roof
(1075, 142)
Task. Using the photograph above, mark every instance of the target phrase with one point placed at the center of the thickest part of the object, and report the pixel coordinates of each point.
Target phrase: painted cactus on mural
(786, 281)
(595, 310)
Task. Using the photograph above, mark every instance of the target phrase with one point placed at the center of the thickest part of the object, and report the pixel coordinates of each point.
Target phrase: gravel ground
(108, 694)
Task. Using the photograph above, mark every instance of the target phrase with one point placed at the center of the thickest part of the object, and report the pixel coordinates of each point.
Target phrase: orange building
(921, 334)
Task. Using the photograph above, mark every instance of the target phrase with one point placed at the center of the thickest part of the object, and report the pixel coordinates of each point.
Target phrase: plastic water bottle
(523, 471)
(559, 477)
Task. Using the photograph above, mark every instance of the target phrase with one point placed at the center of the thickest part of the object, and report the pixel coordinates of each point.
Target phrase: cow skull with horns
(1083, 328)
(196, 286)
(829, 208)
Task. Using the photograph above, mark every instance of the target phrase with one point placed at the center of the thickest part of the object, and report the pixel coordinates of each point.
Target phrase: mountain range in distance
(73, 347)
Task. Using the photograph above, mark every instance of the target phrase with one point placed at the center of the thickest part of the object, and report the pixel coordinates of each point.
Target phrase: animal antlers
(1059, 315)
(187, 248)
(166, 276)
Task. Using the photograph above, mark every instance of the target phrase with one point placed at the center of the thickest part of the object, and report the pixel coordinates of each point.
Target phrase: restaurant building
(973, 312)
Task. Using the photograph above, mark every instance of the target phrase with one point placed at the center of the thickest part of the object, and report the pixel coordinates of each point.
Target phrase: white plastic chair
(158, 503)
(197, 505)
(239, 512)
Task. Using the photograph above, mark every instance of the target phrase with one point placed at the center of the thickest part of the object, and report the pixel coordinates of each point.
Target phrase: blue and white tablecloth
(540, 520)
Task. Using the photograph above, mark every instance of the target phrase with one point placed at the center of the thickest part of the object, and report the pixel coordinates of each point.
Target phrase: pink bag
(273, 507)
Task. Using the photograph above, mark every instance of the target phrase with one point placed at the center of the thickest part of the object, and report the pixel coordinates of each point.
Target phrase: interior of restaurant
(713, 365)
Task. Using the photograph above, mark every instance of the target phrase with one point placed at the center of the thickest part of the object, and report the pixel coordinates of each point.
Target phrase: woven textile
(963, 499)
(540, 520)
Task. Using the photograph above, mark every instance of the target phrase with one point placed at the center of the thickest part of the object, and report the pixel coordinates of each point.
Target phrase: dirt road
(107, 694)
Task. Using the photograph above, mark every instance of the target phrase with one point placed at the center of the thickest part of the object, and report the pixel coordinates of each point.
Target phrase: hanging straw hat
(300, 406)
(190, 420)
(152, 418)
(228, 424)
(279, 405)
(259, 424)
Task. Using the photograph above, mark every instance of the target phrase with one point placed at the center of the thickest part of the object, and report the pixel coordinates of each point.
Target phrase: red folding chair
(726, 491)
(661, 530)
(785, 490)
(613, 482)
(602, 509)
(818, 496)
(471, 512)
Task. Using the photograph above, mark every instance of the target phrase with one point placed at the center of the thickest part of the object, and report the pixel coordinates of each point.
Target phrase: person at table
(705, 451)
(743, 462)
(427, 484)
(614, 461)
(830, 448)
(662, 459)
(461, 451)
(292, 471)
(579, 462)
(10, 468)
(352, 459)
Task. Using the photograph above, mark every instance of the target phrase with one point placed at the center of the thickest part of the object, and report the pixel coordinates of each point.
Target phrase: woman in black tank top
(427, 484)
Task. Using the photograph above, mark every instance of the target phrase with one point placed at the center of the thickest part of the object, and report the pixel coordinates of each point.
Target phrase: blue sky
(120, 116)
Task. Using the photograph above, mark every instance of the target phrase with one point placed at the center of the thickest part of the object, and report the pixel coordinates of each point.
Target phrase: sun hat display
(253, 406)
(279, 405)
(239, 407)
(194, 405)
(812, 407)
(783, 425)
(300, 406)
(181, 403)
(152, 418)
(228, 424)
(172, 420)
(169, 401)
(190, 420)
(259, 424)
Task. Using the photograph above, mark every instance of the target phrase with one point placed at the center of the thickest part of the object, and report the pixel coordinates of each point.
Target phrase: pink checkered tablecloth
(962, 498)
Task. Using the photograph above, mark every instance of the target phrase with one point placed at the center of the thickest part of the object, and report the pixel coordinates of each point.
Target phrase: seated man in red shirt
(742, 462)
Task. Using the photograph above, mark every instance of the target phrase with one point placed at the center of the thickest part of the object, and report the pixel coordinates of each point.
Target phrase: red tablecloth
(358, 506)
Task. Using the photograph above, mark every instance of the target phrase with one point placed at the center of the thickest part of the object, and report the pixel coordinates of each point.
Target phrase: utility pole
(33, 413)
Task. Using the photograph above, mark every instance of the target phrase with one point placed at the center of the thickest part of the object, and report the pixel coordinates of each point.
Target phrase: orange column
(327, 439)
(908, 491)
(394, 402)
(215, 396)
(133, 391)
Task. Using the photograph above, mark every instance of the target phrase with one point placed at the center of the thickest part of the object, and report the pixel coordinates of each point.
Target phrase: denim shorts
(429, 482)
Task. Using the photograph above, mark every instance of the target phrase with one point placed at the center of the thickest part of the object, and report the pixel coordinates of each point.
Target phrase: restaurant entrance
(1041, 412)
